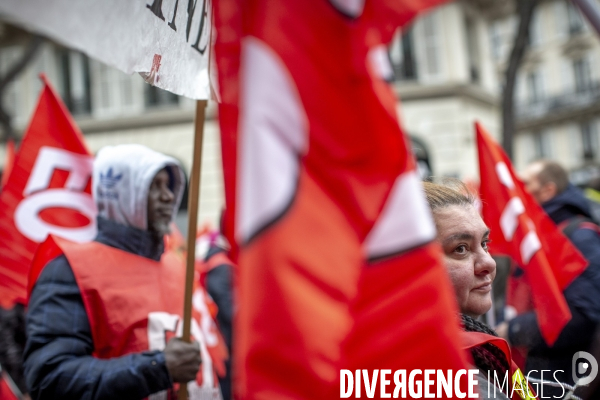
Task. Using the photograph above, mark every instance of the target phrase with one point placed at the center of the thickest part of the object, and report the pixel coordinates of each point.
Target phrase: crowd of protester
(53, 348)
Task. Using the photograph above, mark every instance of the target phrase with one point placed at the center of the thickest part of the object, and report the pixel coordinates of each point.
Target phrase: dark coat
(58, 355)
(219, 287)
(584, 292)
(582, 296)
(12, 343)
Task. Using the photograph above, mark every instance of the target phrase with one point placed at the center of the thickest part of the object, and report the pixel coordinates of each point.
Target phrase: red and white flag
(48, 191)
(338, 268)
(522, 230)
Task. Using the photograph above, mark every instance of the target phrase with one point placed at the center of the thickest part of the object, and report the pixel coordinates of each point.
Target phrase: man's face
(533, 186)
(160, 203)
(530, 177)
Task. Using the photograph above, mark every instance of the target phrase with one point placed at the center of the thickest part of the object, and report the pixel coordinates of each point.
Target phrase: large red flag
(337, 265)
(48, 191)
(522, 230)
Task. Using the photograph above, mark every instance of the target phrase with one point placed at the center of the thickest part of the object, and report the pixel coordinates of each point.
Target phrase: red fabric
(553, 266)
(51, 127)
(8, 161)
(518, 296)
(175, 242)
(6, 392)
(213, 262)
(311, 300)
(120, 290)
(476, 339)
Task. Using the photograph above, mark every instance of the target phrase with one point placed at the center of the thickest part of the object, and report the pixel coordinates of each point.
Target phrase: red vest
(474, 339)
(135, 304)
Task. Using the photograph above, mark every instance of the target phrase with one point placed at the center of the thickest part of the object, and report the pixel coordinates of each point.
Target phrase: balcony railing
(566, 102)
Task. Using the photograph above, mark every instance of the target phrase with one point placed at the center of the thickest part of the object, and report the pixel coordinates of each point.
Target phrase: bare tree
(525, 10)
(12, 73)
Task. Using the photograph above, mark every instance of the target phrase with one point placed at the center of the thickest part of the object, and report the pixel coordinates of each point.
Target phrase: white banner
(166, 41)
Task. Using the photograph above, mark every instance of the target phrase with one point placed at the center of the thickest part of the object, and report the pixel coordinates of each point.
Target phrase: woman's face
(464, 239)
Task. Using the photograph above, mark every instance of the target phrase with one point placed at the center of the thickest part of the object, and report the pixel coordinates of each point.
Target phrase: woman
(464, 238)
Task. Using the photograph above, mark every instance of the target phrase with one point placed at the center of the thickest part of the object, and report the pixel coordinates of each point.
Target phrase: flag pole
(193, 200)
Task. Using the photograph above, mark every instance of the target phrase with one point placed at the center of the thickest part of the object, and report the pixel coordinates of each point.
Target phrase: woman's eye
(462, 249)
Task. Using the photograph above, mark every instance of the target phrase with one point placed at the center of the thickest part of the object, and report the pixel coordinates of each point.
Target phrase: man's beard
(160, 228)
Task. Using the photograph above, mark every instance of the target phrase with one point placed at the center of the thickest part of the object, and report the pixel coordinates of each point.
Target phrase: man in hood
(548, 183)
(95, 313)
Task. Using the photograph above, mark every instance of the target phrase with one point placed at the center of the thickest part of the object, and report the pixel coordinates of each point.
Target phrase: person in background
(547, 181)
(218, 272)
(89, 326)
(592, 193)
(12, 343)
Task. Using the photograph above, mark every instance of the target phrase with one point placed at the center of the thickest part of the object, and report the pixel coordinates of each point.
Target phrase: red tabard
(133, 304)
(120, 290)
(517, 384)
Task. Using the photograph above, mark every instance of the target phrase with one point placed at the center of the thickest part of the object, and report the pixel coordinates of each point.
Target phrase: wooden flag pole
(193, 201)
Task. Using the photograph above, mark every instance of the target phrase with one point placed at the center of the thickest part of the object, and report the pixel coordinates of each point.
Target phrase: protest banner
(167, 41)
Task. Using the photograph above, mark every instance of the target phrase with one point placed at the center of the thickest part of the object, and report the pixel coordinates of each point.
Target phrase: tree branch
(525, 10)
(13, 72)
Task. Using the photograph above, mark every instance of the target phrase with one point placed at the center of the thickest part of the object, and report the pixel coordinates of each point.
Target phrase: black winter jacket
(582, 296)
(58, 355)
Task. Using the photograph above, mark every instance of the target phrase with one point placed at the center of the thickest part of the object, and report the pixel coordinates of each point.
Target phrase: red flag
(8, 162)
(48, 191)
(8, 389)
(522, 230)
(337, 265)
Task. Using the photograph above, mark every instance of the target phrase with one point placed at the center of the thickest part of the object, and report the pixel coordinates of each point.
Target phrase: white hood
(121, 181)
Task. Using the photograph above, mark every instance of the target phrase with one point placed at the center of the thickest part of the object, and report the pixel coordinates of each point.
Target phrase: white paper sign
(167, 41)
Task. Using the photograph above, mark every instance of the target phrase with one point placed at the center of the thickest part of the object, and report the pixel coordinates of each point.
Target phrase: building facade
(449, 70)
(446, 81)
(112, 108)
(558, 90)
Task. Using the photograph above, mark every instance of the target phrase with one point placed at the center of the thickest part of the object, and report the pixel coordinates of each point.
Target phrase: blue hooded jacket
(582, 296)
(584, 292)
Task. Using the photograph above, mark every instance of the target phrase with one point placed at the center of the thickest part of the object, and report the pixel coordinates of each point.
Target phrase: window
(582, 74)
(589, 140)
(430, 44)
(576, 24)
(542, 144)
(12, 93)
(496, 40)
(104, 80)
(155, 97)
(535, 29)
(402, 55)
(473, 51)
(75, 86)
(115, 93)
(534, 87)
